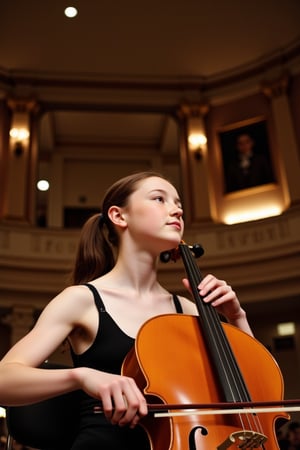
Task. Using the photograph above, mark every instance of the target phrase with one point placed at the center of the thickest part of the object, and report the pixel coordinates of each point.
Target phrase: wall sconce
(19, 139)
(197, 143)
(193, 117)
(196, 137)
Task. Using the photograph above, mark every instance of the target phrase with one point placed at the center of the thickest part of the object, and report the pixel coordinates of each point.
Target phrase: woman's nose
(177, 211)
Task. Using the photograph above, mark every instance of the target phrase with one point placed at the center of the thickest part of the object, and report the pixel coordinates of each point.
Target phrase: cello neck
(225, 366)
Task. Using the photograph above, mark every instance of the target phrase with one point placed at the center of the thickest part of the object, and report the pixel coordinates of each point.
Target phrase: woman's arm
(21, 382)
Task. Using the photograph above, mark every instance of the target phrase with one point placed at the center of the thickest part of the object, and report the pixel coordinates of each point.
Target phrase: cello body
(171, 365)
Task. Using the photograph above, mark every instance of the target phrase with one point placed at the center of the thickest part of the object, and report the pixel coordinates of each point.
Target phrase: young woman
(141, 216)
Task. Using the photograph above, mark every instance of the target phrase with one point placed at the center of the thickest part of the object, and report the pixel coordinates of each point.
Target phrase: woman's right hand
(122, 401)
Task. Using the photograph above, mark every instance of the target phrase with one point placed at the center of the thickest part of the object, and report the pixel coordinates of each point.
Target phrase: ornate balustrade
(260, 259)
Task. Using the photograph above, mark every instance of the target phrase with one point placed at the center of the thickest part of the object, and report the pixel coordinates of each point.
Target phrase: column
(276, 91)
(193, 149)
(20, 160)
(20, 320)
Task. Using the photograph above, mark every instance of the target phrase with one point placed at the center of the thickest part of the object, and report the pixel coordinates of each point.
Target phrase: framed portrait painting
(246, 155)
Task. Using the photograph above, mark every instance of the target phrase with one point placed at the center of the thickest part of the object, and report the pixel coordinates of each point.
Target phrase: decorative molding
(22, 105)
(188, 110)
(19, 243)
(277, 87)
(55, 89)
(261, 259)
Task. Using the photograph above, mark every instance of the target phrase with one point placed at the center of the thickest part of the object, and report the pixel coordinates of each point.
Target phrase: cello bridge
(243, 439)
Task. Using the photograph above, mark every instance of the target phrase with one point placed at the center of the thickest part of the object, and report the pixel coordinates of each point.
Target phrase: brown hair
(95, 255)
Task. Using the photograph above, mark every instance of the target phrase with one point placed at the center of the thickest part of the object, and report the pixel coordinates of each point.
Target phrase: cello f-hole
(192, 436)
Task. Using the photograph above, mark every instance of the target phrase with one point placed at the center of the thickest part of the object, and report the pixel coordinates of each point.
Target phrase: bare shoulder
(62, 315)
(188, 306)
(79, 293)
(73, 302)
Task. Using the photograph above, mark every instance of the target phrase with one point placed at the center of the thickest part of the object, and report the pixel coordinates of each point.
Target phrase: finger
(136, 405)
(206, 280)
(186, 284)
(220, 295)
(120, 407)
(135, 421)
(207, 285)
(213, 288)
(113, 402)
(107, 405)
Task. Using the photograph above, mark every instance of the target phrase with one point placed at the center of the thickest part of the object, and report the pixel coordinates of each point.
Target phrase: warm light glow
(71, 12)
(2, 412)
(286, 329)
(252, 214)
(20, 134)
(196, 140)
(43, 185)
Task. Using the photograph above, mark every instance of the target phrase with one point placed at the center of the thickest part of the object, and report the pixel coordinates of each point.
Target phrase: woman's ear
(115, 213)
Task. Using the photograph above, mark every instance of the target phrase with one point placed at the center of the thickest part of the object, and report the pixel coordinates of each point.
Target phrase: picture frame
(246, 155)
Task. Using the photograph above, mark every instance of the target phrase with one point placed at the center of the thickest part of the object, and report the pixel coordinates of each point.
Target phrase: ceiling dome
(144, 40)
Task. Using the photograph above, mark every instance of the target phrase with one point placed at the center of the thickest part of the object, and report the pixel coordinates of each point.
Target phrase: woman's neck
(138, 273)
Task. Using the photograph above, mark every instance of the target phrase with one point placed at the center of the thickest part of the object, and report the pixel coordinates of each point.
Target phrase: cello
(180, 360)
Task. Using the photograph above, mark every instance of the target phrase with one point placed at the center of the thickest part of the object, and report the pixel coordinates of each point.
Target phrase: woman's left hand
(221, 296)
(224, 299)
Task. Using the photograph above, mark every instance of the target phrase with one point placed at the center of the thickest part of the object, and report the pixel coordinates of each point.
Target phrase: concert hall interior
(164, 86)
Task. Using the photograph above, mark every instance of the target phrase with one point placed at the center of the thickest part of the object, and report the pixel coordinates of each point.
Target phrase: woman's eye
(159, 198)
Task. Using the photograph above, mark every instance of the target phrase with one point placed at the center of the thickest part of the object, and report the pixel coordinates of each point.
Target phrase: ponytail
(94, 254)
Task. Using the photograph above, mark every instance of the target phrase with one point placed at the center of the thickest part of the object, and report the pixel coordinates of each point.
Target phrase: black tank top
(111, 344)
(106, 353)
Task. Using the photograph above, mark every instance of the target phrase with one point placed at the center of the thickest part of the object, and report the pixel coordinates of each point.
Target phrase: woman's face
(154, 213)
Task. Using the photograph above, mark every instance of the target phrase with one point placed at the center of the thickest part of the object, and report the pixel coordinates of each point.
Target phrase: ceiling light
(43, 185)
(71, 12)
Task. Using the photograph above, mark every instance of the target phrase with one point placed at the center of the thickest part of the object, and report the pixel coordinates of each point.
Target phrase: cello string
(232, 365)
(217, 340)
(213, 330)
(224, 347)
(225, 353)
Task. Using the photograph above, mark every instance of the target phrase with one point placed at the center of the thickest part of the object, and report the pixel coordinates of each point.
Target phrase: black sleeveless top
(107, 353)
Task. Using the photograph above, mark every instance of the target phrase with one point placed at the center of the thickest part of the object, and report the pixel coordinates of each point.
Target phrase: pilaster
(277, 92)
(20, 153)
(194, 161)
